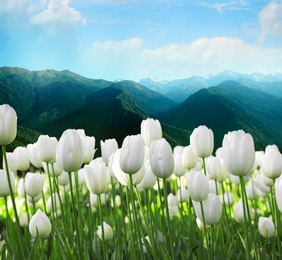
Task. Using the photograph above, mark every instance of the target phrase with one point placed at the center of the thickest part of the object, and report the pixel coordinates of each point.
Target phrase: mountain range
(180, 89)
(50, 101)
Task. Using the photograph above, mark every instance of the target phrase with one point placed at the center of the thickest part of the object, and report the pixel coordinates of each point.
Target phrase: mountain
(112, 112)
(232, 106)
(177, 90)
(39, 96)
(51, 101)
(180, 89)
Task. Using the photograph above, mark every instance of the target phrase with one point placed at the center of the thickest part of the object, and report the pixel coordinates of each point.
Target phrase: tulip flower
(182, 193)
(278, 193)
(197, 185)
(40, 225)
(123, 177)
(12, 159)
(238, 152)
(212, 208)
(132, 154)
(149, 179)
(88, 145)
(56, 202)
(8, 124)
(108, 148)
(70, 151)
(202, 141)
(96, 177)
(179, 169)
(228, 198)
(214, 167)
(108, 232)
(21, 188)
(189, 158)
(22, 158)
(272, 164)
(33, 184)
(266, 227)
(33, 155)
(239, 212)
(46, 148)
(151, 130)
(161, 158)
(63, 179)
(4, 185)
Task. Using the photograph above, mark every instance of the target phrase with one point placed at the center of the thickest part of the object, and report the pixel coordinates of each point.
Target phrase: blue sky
(134, 39)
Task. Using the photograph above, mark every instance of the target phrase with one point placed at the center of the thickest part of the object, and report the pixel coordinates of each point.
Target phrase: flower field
(143, 200)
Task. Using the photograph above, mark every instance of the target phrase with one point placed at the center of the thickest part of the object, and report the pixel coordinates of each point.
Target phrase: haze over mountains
(49, 102)
(185, 87)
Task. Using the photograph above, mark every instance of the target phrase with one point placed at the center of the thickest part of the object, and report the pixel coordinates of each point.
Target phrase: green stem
(204, 166)
(205, 227)
(74, 215)
(13, 198)
(168, 220)
(248, 247)
(102, 225)
(51, 191)
(132, 231)
(276, 216)
(135, 216)
(181, 205)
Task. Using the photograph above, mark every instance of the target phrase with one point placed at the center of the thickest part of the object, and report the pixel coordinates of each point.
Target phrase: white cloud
(228, 5)
(114, 59)
(270, 19)
(58, 12)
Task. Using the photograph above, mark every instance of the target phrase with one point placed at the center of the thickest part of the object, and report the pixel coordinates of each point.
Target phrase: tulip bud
(108, 232)
(4, 185)
(88, 145)
(213, 167)
(239, 212)
(12, 162)
(202, 141)
(197, 185)
(33, 155)
(34, 184)
(63, 179)
(96, 177)
(108, 148)
(22, 158)
(123, 177)
(266, 227)
(161, 158)
(56, 202)
(238, 152)
(182, 193)
(69, 151)
(8, 124)
(21, 188)
(179, 169)
(272, 164)
(132, 154)
(189, 158)
(149, 178)
(212, 208)
(200, 224)
(278, 193)
(46, 148)
(40, 225)
(151, 130)
(228, 198)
